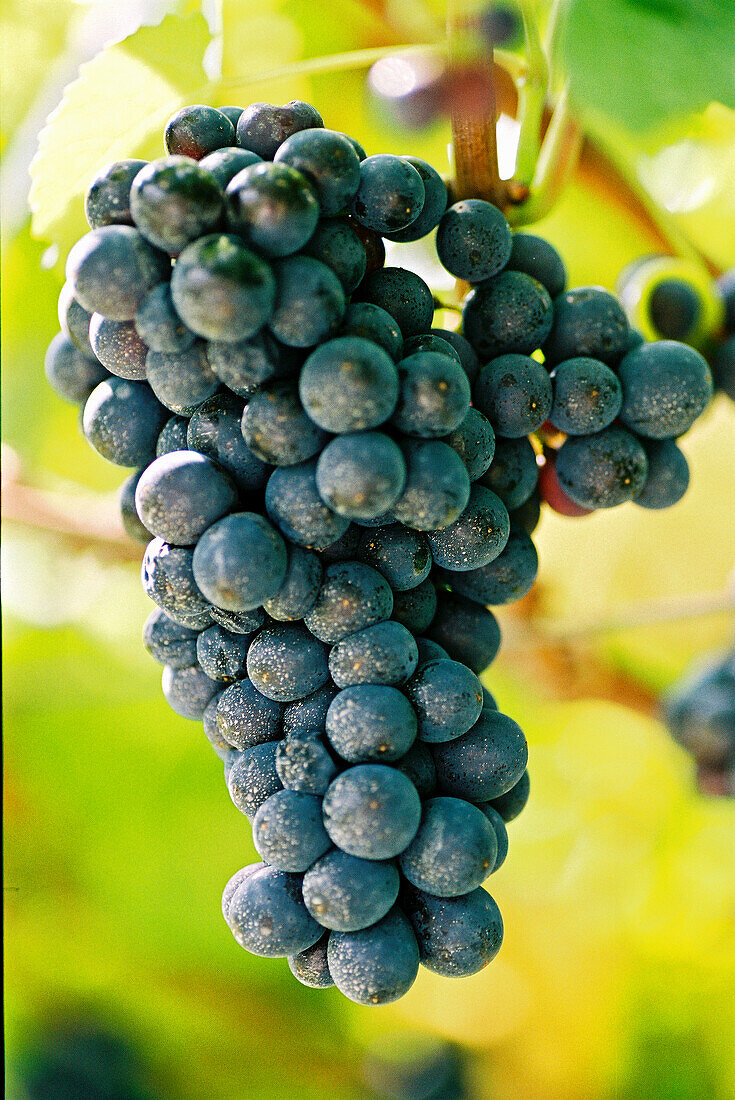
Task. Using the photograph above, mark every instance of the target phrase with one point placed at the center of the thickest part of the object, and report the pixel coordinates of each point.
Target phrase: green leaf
(117, 108)
(643, 61)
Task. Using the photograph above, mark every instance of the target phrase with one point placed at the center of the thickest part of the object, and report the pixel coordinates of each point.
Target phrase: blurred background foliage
(617, 974)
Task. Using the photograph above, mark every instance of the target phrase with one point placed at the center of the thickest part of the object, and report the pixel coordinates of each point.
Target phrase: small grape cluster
(700, 713)
(333, 494)
(674, 299)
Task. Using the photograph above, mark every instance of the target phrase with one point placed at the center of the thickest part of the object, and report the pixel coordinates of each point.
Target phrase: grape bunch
(334, 494)
(700, 713)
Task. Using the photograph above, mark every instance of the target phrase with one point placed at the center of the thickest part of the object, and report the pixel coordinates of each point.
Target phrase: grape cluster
(333, 495)
(700, 713)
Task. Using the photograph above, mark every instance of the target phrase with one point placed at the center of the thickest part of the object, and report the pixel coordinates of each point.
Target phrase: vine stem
(532, 91)
(474, 137)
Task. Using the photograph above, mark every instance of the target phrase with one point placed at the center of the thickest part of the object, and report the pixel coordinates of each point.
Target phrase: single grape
(435, 203)
(159, 325)
(485, 762)
(437, 487)
(111, 269)
(181, 494)
(252, 776)
(286, 662)
(372, 323)
(196, 131)
(181, 380)
(552, 493)
(526, 517)
(245, 717)
(345, 547)
(402, 294)
(447, 699)
(188, 690)
(372, 811)
(429, 341)
(476, 537)
(536, 257)
(473, 240)
(168, 642)
(310, 967)
(221, 290)
(304, 763)
(501, 24)
(172, 436)
(510, 804)
(588, 321)
(300, 587)
(349, 384)
(602, 470)
(675, 309)
(224, 164)
(174, 201)
(668, 475)
(390, 195)
(431, 651)
(237, 880)
(385, 653)
(336, 244)
(723, 367)
(246, 365)
(726, 289)
(361, 475)
(122, 420)
(131, 521)
(474, 441)
(294, 505)
(467, 354)
(239, 622)
(74, 320)
(214, 431)
(273, 207)
(107, 201)
(416, 608)
(587, 396)
(401, 555)
(345, 893)
(168, 579)
(514, 392)
(328, 161)
(308, 714)
(240, 561)
(370, 722)
(513, 473)
(72, 375)
(263, 127)
(510, 313)
(352, 597)
(268, 917)
(434, 395)
(418, 766)
(310, 302)
(507, 578)
(222, 655)
(456, 936)
(469, 632)
(277, 429)
(376, 965)
(501, 834)
(665, 388)
(454, 850)
(288, 832)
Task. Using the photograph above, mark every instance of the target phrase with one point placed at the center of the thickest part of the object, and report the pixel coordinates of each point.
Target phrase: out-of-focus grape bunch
(700, 713)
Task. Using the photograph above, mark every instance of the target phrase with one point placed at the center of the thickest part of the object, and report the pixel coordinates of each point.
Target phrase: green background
(617, 973)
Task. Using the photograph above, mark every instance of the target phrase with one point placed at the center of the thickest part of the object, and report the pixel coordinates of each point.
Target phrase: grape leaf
(117, 108)
(642, 61)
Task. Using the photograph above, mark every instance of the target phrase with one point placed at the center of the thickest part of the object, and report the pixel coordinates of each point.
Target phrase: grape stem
(532, 92)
